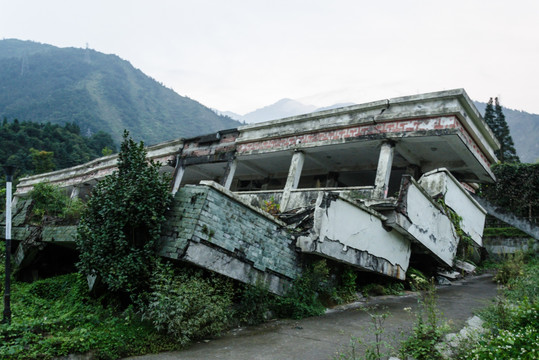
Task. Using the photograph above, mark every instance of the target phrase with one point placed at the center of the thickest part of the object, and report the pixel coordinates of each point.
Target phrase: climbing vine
(465, 247)
(121, 225)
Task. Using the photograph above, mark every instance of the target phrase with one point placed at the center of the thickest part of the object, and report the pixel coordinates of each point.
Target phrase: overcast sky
(241, 55)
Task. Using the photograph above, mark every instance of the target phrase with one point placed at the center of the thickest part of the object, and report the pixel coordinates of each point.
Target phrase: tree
(489, 116)
(507, 152)
(42, 160)
(495, 119)
(119, 229)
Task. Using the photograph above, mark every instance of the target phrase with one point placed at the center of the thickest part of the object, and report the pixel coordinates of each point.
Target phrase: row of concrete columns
(381, 183)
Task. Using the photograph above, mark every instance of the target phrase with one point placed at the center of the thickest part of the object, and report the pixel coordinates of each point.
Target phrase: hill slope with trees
(43, 83)
(36, 148)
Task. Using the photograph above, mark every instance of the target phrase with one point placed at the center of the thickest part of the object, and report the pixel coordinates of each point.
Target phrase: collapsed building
(374, 186)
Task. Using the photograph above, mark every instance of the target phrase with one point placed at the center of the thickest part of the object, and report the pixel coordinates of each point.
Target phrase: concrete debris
(440, 280)
(470, 333)
(465, 266)
(451, 275)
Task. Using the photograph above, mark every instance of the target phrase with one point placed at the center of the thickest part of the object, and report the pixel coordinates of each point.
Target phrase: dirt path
(321, 337)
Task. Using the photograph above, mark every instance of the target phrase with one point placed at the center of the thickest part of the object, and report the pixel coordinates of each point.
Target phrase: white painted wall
(353, 234)
(441, 182)
(359, 229)
(429, 225)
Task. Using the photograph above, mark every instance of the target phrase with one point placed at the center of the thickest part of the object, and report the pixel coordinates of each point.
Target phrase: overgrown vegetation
(315, 289)
(378, 348)
(512, 322)
(187, 305)
(465, 247)
(121, 224)
(50, 201)
(506, 232)
(55, 317)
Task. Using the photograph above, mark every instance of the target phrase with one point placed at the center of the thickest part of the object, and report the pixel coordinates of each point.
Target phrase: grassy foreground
(55, 317)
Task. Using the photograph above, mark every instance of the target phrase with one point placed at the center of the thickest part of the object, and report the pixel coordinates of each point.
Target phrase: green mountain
(44, 83)
(524, 129)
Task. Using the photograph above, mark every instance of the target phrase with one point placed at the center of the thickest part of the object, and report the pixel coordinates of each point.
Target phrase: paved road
(321, 337)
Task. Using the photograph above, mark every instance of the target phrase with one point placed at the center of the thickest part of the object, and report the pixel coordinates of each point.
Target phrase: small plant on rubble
(378, 348)
(427, 331)
(465, 247)
(271, 207)
(47, 200)
(121, 225)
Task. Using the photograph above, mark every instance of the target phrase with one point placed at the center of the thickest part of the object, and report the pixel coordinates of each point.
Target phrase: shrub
(416, 280)
(186, 305)
(511, 268)
(48, 200)
(121, 225)
(255, 301)
(346, 291)
(513, 321)
(304, 298)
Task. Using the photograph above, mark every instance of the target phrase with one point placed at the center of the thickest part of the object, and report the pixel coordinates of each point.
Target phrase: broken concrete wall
(425, 221)
(301, 198)
(499, 247)
(210, 228)
(95, 170)
(347, 232)
(441, 184)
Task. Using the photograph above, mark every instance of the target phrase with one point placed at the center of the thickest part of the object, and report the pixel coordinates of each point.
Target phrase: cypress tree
(507, 152)
(489, 116)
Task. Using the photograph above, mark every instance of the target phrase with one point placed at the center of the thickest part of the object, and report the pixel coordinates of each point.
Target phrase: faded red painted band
(351, 132)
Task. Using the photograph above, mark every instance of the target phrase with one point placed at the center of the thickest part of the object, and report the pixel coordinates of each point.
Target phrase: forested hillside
(36, 148)
(42, 83)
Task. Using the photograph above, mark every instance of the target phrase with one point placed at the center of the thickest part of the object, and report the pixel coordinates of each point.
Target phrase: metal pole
(7, 288)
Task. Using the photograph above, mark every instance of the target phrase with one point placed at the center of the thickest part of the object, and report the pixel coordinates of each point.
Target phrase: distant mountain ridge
(44, 83)
(281, 109)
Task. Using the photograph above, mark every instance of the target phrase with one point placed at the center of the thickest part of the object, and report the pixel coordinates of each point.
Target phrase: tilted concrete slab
(212, 228)
(441, 184)
(355, 235)
(418, 216)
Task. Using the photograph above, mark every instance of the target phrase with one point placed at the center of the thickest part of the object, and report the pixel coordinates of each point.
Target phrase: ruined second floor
(367, 147)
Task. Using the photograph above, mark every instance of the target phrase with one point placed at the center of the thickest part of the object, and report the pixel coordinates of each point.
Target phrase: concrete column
(383, 172)
(292, 181)
(14, 201)
(75, 192)
(178, 177)
(229, 173)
